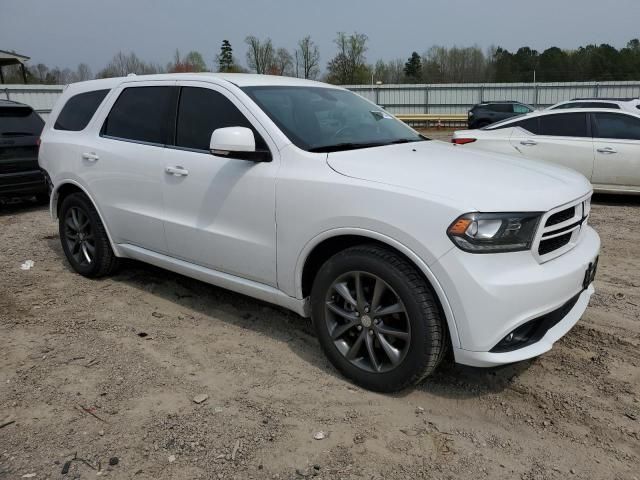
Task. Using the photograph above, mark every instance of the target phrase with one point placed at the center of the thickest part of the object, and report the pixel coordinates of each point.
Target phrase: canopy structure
(10, 58)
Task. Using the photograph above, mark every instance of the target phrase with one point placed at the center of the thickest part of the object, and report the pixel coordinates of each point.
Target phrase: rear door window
(617, 126)
(564, 125)
(201, 111)
(502, 107)
(140, 114)
(78, 111)
(19, 122)
(517, 108)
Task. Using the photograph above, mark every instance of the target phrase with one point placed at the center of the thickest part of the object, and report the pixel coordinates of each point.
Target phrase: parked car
(628, 104)
(603, 145)
(20, 129)
(484, 114)
(310, 197)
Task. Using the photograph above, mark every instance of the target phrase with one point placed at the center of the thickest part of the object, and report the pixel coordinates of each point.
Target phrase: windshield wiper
(353, 146)
(343, 146)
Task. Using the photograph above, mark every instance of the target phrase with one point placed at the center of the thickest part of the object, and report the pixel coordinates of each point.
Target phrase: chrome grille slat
(560, 229)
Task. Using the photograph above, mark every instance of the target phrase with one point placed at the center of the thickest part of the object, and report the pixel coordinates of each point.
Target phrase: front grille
(548, 246)
(561, 229)
(560, 217)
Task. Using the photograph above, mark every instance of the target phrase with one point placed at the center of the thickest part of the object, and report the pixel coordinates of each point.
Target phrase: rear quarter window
(78, 111)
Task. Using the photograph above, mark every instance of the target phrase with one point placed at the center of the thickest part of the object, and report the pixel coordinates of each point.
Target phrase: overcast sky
(66, 32)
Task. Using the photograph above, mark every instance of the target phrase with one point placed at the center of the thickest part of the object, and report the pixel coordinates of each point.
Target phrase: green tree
(413, 67)
(225, 57)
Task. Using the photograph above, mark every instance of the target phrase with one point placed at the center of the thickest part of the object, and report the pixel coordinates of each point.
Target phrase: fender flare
(53, 209)
(391, 242)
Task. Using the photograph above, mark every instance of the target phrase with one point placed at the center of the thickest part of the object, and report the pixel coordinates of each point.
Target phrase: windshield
(320, 119)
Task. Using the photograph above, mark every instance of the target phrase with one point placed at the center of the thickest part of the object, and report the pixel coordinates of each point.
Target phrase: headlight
(494, 232)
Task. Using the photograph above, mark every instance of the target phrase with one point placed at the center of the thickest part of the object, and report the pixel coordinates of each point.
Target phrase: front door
(219, 212)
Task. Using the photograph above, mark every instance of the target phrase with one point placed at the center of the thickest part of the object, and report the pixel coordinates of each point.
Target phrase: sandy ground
(96, 369)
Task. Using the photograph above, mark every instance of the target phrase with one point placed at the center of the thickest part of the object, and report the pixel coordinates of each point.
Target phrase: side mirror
(237, 142)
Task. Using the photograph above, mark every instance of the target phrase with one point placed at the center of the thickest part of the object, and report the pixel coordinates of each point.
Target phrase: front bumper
(492, 295)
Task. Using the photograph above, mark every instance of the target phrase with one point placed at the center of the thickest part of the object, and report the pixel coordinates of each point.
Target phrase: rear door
(562, 138)
(123, 162)
(616, 146)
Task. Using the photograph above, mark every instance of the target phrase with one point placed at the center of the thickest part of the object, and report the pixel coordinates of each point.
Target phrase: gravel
(79, 384)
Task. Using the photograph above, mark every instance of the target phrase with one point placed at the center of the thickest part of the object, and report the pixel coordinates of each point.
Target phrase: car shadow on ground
(15, 206)
(613, 200)
(450, 380)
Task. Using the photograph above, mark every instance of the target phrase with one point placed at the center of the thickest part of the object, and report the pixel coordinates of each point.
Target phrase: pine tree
(413, 67)
(225, 58)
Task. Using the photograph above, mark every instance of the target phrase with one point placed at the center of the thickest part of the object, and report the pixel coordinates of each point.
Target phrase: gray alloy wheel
(367, 322)
(79, 236)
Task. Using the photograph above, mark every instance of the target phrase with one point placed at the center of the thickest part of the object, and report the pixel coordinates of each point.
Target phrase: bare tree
(349, 65)
(282, 63)
(122, 64)
(307, 59)
(260, 56)
(83, 72)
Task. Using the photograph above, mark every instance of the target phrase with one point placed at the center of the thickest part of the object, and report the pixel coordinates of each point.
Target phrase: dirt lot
(110, 368)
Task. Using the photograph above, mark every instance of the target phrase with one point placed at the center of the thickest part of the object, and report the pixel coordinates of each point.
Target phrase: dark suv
(484, 114)
(20, 129)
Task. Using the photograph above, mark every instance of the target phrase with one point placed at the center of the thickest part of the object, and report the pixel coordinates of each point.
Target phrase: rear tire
(84, 239)
(376, 319)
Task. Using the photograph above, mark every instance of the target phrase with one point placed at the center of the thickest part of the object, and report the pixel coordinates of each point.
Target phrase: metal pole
(1, 76)
(426, 99)
(24, 73)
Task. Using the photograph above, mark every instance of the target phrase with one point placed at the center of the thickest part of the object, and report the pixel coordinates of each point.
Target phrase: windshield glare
(328, 119)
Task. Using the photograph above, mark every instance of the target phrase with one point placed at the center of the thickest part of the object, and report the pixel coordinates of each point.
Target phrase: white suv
(626, 104)
(310, 197)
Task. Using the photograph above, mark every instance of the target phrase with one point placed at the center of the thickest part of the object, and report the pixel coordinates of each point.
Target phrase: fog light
(508, 338)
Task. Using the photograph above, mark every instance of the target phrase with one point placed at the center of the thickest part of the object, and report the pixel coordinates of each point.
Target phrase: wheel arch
(325, 245)
(66, 188)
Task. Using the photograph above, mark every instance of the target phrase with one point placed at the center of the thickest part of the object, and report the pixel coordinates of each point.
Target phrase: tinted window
(201, 111)
(140, 113)
(564, 125)
(501, 107)
(612, 125)
(19, 121)
(517, 108)
(530, 125)
(78, 110)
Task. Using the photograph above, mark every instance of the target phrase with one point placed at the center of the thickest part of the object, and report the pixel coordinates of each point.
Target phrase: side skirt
(219, 279)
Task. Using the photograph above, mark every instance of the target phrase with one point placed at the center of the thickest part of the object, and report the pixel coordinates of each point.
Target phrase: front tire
(376, 318)
(84, 239)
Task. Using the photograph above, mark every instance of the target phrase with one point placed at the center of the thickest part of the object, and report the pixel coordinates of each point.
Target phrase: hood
(487, 182)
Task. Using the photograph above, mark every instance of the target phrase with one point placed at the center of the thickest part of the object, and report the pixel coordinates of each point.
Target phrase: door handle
(90, 156)
(607, 150)
(529, 143)
(177, 171)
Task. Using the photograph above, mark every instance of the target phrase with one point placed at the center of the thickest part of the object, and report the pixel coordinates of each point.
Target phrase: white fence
(459, 98)
(408, 99)
(41, 98)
